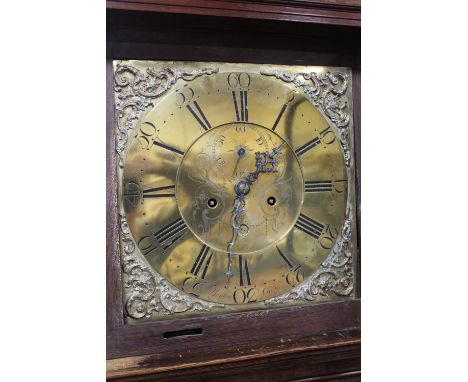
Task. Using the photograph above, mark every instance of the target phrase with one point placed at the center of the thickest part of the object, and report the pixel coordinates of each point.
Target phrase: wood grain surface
(337, 352)
(155, 36)
(335, 12)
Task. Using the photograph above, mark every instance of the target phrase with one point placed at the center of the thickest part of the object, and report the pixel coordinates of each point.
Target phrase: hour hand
(240, 154)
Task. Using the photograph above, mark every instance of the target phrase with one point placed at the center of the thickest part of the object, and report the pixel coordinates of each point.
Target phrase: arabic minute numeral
(328, 237)
(327, 136)
(295, 276)
(240, 296)
(146, 134)
(184, 96)
(131, 194)
(239, 80)
(147, 137)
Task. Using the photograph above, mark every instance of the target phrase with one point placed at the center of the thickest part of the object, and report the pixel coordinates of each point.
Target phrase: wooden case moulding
(338, 12)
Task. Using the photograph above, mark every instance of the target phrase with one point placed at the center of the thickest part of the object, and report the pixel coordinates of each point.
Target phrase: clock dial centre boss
(234, 187)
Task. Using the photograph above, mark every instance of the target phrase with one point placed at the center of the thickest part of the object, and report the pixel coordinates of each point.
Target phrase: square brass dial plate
(190, 135)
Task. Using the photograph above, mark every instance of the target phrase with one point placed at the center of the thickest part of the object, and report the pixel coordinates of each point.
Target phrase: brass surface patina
(233, 160)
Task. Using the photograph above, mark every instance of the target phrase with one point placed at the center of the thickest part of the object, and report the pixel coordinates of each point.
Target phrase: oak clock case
(235, 187)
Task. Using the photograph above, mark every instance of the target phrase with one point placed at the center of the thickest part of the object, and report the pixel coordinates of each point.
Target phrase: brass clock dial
(234, 187)
(206, 188)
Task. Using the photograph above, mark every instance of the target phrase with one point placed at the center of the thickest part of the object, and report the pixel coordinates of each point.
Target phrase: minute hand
(265, 163)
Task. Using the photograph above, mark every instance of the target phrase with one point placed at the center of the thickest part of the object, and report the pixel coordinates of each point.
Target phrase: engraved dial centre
(216, 165)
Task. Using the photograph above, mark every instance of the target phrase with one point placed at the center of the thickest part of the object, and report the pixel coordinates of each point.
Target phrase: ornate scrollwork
(334, 277)
(136, 92)
(149, 292)
(325, 90)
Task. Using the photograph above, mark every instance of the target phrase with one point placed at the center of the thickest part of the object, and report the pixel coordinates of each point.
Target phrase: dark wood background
(309, 343)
